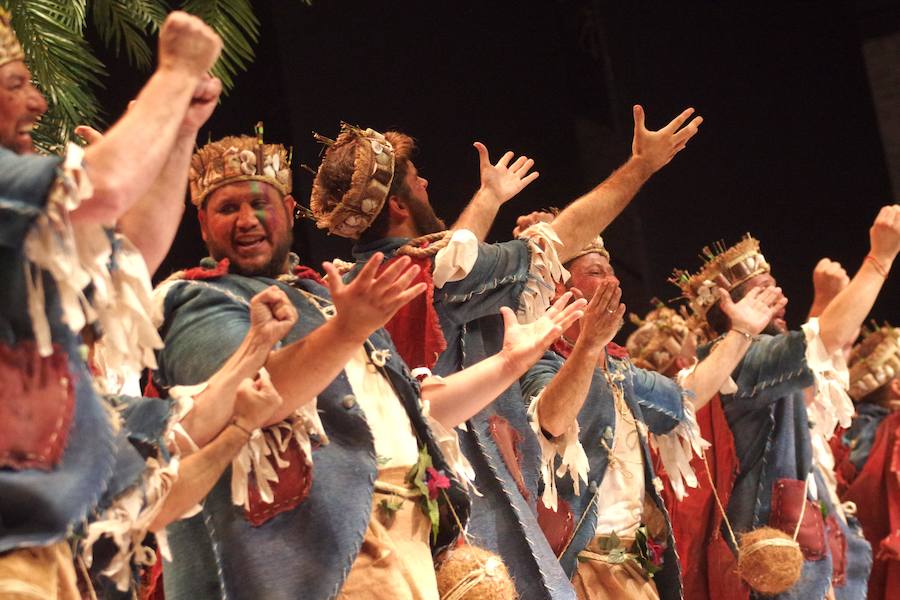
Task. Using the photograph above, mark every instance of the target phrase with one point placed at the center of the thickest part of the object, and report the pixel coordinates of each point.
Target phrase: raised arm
(590, 214)
(499, 183)
(271, 317)
(460, 396)
(301, 370)
(748, 318)
(562, 399)
(125, 163)
(842, 318)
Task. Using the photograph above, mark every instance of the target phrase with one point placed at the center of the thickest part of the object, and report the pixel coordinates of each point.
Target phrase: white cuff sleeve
(677, 448)
(454, 261)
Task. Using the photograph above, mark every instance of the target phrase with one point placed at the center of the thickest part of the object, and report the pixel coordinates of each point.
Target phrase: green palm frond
(125, 24)
(235, 22)
(62, 65)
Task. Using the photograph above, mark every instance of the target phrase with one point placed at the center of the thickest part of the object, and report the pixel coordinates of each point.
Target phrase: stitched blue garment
(768, 419)
(305, 552)
(503, 520)
(861, 436)
(38, 507)
(653, 399)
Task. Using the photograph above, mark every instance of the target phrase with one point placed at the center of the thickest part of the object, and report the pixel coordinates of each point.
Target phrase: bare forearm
(465, 393)
(589, 215)
(711, 374)
(198, 473)
(151, 224)
(566, 393)
(125, 163)
(303, 369)
(478, 216)
(842, 318)
(214, 406)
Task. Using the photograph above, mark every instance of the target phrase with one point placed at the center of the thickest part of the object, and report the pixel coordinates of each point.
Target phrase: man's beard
(423, 217)
(271, 269)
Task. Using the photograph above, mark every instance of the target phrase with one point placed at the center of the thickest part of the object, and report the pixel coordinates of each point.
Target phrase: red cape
(708, 566)
(876, 492)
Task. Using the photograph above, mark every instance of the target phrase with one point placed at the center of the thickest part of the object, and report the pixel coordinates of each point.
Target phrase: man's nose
(36, 102)
(247, 217)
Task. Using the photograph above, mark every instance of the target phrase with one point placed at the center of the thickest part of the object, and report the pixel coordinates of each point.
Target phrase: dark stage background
(789, 149)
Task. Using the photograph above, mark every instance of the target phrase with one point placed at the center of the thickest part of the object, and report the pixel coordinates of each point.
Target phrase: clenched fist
(187, 44)
(885, 235)
(257, 400)
(271, 315)
(829, 278)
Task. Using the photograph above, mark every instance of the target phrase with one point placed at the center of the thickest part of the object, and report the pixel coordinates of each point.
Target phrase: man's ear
(399, 212)
(289, 205)
(895, 388)
(201, 217)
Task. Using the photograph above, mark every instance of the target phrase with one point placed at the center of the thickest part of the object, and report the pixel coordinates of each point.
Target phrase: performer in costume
(593, 410)
(363, 507)
(455, 324)
(869, 469)
(64, 270)
(768, 416)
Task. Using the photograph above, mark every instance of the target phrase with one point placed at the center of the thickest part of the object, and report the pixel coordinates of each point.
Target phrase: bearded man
(455, 324)
(347, 493)
(771, 471)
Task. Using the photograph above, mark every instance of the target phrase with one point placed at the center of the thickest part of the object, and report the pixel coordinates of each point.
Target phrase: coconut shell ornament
(769, 560)
(471, 573)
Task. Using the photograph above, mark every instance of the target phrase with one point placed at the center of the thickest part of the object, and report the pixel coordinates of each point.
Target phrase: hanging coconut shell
(769, 560)
(471, 573)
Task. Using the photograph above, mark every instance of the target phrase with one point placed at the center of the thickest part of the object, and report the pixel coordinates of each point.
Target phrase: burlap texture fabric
(395, 561)
(45, 573)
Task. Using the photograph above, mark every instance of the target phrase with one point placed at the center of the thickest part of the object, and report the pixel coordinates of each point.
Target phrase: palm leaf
(62, 65)
(235, 22)
(125, 24)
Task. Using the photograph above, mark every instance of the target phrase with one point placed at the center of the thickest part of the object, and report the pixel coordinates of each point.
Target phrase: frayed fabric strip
(79, 256)
(676, 449)
(545, 272)
(573, 459)
(830, 406)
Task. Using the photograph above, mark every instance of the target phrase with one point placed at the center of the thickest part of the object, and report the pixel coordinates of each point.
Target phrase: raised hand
(372, 298)
(187, 44)
(523, 345)
(271, 316)
(526, 221)
(755, 310)
(603, 315)
(885, 235)
(829, 278)
(256, 401)
(504, 180)
(657, 148)
(203, 103)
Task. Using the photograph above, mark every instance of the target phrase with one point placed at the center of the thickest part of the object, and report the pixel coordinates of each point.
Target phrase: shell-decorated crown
(660, 338)
(874, 361)
(10, 48)
(239, 158)
(349, 212)
(596, 245)
(724, 268)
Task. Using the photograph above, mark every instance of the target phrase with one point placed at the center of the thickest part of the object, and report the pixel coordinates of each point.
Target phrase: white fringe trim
(265, 450)
(830, 406)
(677, 447)
(568, 447)
(545, 272)
(77, 256)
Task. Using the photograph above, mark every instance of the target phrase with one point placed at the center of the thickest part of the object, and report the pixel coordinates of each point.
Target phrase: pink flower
(655, 551)
(435, 480)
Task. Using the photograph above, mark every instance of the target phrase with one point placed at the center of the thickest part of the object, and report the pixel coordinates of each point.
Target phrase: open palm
(755, 310)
